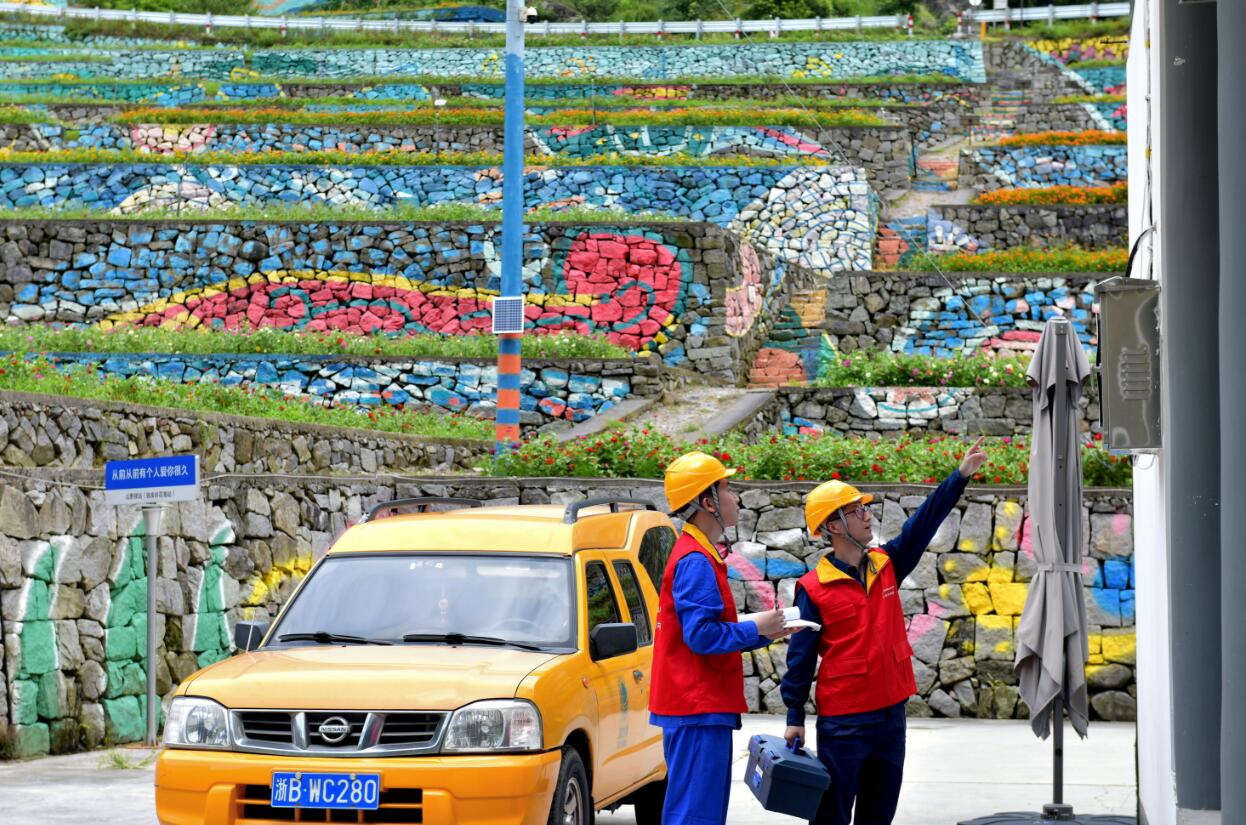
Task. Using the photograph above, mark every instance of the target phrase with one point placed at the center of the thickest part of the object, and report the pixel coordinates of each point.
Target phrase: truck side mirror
(609, 640)
(248, 635)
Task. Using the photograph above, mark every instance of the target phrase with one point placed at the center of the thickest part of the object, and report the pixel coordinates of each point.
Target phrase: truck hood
(367, 677)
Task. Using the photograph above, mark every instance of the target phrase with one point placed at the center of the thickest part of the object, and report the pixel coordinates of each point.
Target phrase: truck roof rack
(572, 514)
(420, 502)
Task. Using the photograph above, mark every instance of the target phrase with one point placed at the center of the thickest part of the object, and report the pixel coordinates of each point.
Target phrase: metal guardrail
(696, 27)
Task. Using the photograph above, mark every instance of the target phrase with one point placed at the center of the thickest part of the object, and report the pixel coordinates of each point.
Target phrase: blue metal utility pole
(508, 312)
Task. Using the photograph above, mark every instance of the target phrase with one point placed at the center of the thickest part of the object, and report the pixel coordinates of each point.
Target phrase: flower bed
(1027, 259)
(1088, 138)
(1057, 196)
(643, 453)
(895, 369)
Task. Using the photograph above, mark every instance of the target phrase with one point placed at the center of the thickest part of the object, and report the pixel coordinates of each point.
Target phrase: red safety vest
(865, 650)
(687, 683)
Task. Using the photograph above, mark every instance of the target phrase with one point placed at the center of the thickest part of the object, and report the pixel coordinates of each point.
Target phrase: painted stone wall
(550, 391)
(973, 411)
(1042, 76)
(74, 595)
(52, 432)
(830, 61)
(919, 313)
(693, 293)
(884, 152)
(965, 96)
(832, 208)
(962, 60)
(1002, 167)
(1068, 117)
(980, 228)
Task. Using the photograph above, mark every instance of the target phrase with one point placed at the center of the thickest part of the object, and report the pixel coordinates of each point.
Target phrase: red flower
(877, 469)
(835, 474)
(1098, 436)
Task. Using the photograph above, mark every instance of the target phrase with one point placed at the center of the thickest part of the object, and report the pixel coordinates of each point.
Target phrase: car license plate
(349, 791)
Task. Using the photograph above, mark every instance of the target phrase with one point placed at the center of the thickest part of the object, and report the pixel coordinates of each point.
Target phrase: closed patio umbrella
(1051, 639)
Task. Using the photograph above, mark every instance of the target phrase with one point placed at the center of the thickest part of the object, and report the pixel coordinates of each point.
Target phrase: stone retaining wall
(883, 151)
(1004, 167)
(1062, 117)
(550, 391)
(979, 228)
(848, 411)
(73, 592)
(693, 293)
(959, 59)
(51, 432)
(918, 312)
(1021, 65)
(829, 212)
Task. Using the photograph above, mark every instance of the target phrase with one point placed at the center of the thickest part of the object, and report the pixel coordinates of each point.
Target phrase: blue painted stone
(119, 255)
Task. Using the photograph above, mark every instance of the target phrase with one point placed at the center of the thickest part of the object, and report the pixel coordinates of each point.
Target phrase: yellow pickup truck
(470, 665)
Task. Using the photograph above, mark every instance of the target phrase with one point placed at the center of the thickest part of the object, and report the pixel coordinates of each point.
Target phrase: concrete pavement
(956, 769)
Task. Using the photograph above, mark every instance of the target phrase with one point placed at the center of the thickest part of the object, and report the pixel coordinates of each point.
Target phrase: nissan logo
(334, 730)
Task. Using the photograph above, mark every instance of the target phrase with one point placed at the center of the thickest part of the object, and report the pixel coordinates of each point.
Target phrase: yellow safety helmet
(826, 498)
(690, 475)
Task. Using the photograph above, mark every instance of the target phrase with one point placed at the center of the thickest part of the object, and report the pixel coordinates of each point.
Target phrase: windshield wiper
(461, 639)
(326, 638)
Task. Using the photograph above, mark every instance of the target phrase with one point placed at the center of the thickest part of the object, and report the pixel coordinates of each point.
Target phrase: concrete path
(956, 769)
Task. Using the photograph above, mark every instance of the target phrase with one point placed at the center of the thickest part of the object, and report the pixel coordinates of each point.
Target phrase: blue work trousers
(864, 753)
(698, 774)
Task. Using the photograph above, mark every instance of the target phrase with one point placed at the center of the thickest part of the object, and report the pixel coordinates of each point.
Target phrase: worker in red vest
(866, 675)
(697, 694)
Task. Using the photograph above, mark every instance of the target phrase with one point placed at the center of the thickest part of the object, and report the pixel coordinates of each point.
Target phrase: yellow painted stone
(1096, 659)
(969, 546)
(980, 575)
(978, 599)
(1122, 648)
(999, 573)
(992, 622)
(1009, 598)
(1094, 643)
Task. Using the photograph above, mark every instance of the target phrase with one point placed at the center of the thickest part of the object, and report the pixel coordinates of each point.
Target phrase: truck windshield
(525, 600)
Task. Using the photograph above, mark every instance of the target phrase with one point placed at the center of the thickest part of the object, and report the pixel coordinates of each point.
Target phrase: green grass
(492, 116)
(1028, 259)
(440, 213)
(21, 374)
(1095, 64)
(270, 341)
(1071, 28)
(347, 159)
(54, 58)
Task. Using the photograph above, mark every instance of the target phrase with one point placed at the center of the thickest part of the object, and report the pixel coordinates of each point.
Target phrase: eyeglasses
(863, 513)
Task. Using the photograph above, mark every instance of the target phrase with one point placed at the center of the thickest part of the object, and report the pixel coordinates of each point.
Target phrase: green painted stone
(49, 705)
(124, 719)
(30, 740)
(38, 648)
(25, 702)
(121, 644)
(116, 679)
(45, 567)
(133, 679)
(38, 603)
(127, 601)
(211, 657)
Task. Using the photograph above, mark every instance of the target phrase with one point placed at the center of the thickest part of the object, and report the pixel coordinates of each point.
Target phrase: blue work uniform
(864, 752)
(698, 746)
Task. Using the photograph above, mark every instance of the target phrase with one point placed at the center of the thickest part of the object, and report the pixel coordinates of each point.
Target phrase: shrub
(897, 369)
(640, 452)
(1057, 196)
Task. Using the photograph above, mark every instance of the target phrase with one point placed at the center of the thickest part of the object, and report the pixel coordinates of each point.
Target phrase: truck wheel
(573, 802)
(649, 802)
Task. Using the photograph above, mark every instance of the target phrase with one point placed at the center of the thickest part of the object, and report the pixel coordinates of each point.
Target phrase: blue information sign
(152, 480)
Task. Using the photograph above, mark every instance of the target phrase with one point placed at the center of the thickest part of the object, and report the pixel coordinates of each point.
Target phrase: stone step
(743, 410)
(622, 411)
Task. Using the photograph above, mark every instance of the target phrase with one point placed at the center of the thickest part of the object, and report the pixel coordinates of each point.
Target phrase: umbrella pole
(1057, 810)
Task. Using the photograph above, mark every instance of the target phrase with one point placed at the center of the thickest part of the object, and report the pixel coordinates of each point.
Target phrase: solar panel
(508, 316)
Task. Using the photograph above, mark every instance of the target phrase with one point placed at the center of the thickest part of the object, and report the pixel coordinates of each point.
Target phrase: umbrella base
(1049, 815)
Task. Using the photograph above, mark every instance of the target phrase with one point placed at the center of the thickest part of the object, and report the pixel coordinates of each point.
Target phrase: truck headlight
(495, 725)
(196, 723)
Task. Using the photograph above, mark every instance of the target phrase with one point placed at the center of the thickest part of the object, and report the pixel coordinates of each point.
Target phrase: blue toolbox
(784, 780)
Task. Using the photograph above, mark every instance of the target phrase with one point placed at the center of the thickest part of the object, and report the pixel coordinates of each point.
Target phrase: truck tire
(649, 802)
(573, 799)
